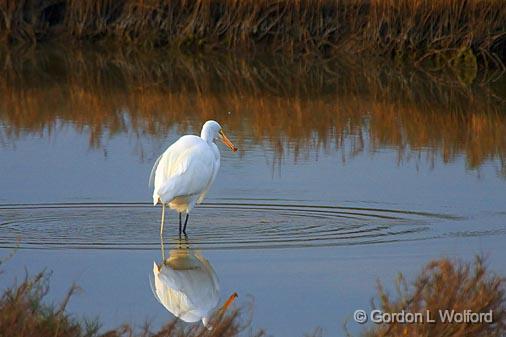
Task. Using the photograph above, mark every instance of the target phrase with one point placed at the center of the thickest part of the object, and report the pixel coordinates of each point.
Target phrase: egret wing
(204, 192)
(151, 182)
(184, 171)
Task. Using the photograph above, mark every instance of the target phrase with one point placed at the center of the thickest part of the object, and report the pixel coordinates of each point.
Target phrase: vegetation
(23, 314)
(446, 285)
(439, 31)
(442, 284)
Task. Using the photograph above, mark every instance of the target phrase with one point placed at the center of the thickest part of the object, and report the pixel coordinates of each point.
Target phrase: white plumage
(183, 174)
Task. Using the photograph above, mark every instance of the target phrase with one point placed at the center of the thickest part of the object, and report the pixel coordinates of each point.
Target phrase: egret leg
(180, 224)
(185, 222)
(163, 219)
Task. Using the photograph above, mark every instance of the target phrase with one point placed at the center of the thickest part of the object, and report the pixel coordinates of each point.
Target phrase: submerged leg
(180, 224)
(163, 219)
(185, 222)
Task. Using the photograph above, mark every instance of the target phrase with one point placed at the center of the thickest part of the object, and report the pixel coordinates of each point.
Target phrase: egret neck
(207, 134)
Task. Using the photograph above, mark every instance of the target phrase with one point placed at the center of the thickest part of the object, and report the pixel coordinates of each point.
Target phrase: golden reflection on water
(295, 106)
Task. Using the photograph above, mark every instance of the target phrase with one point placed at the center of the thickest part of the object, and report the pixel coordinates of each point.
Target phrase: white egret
(183, 174)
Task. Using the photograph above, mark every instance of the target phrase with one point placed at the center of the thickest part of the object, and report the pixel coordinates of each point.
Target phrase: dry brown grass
(442, 285)
(442, 31)
(24, 313)
(446, 285)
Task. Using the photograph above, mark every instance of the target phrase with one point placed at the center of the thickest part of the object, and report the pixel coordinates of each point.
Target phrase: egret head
(212, 130)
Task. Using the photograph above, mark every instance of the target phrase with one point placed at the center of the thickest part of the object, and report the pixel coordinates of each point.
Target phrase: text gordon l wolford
(444, 316)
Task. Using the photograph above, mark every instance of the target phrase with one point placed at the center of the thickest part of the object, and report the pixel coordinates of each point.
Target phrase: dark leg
(180, 224)
(185, 222)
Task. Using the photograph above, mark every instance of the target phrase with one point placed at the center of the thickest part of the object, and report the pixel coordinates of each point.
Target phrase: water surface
(347, 172)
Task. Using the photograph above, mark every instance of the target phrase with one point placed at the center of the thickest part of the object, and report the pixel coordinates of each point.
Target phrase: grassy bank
(436, 31)
(442, 285)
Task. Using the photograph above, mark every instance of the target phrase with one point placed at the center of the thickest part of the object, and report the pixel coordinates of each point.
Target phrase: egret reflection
(186, 284)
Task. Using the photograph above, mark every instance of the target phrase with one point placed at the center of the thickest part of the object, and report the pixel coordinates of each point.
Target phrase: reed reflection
(296, 107)
(186, 284)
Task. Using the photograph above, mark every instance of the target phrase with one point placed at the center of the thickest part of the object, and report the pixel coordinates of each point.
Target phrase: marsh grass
(440, 32)
(25, 313)
(445, 284)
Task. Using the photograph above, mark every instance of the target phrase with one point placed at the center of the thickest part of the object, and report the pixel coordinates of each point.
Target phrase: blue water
(302, 236)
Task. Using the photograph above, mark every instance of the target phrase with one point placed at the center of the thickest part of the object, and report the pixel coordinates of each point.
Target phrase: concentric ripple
(211, 226)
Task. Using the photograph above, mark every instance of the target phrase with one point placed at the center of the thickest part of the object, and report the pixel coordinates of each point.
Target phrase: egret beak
(227, 141)
(230, 300)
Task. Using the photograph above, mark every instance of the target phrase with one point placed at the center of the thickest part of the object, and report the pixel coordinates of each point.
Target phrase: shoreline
(434, 33)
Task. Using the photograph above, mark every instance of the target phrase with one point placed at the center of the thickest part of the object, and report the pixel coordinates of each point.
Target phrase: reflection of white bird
(184, 173)
(187, 286)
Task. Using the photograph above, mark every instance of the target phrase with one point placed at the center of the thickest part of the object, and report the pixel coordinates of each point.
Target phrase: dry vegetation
(442, 31)
(442, 284)
(23, 313)
(445, 285)
(296, 106)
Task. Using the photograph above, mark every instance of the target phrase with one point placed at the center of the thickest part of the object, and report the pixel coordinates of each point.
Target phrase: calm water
(348, 172)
